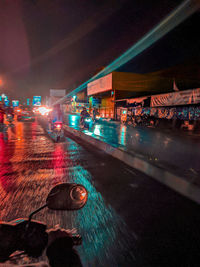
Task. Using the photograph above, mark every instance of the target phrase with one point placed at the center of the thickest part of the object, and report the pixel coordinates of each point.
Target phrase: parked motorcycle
(86, 122)
(131, 121)
(97, 118)
(144, 121)
(29, 237)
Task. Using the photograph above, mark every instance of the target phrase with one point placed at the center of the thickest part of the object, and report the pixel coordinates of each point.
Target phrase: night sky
(60, 44)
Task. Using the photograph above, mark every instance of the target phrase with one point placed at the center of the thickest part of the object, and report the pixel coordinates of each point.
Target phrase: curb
(173, 181)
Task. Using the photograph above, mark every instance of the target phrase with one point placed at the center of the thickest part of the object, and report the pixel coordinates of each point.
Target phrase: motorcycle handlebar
(30, 237)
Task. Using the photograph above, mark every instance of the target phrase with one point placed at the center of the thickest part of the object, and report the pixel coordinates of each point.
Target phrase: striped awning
(177, 98)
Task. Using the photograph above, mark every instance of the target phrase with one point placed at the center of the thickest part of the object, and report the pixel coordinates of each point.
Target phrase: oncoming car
(26, 114)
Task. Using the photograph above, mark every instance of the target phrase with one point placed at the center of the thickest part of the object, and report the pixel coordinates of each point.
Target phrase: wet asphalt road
(129, 219)
(175, 152)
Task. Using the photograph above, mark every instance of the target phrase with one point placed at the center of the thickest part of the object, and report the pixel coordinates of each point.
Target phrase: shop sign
(100, 85)
(37, 101)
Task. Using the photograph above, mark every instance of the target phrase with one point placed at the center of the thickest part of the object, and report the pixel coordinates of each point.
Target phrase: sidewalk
(177, 154)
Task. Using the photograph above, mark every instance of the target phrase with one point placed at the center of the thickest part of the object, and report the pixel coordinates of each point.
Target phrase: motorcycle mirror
(67, 196)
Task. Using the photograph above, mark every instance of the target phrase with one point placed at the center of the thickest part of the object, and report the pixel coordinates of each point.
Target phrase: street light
(4, 96)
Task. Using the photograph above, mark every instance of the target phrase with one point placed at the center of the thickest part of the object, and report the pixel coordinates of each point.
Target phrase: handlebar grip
(32, 237)
(21, 234)
(8, 241)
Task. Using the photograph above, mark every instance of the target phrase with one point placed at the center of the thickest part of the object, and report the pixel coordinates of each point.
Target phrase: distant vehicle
(17, 110)
(9, 118)
(25, 114)
(57, 131)
(36, 110)
(44, 111)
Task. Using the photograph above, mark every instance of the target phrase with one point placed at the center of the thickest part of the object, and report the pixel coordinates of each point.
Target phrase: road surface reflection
(31, 164)
(178, 155)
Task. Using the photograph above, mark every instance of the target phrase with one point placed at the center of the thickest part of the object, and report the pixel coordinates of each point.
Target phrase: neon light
(178, 15)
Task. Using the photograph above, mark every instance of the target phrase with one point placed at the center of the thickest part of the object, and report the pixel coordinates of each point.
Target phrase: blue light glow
(122, 136)
(97, 129)
(177, 16)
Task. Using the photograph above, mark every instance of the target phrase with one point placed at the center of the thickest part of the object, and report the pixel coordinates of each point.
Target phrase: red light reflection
(8, 182)
(59, 164)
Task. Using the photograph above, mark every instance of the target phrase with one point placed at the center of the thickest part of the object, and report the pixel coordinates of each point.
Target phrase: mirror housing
(67, 196)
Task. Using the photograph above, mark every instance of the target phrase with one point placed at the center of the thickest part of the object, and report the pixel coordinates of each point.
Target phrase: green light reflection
(104, 232)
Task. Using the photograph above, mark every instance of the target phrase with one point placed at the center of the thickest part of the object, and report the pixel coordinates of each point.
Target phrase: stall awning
(136, 100)
(177, 98)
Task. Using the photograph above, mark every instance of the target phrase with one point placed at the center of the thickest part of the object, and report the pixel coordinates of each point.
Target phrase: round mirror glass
(67, 196)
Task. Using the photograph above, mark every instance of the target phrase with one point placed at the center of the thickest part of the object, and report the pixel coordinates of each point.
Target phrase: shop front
(101, 96)
(116, 86)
